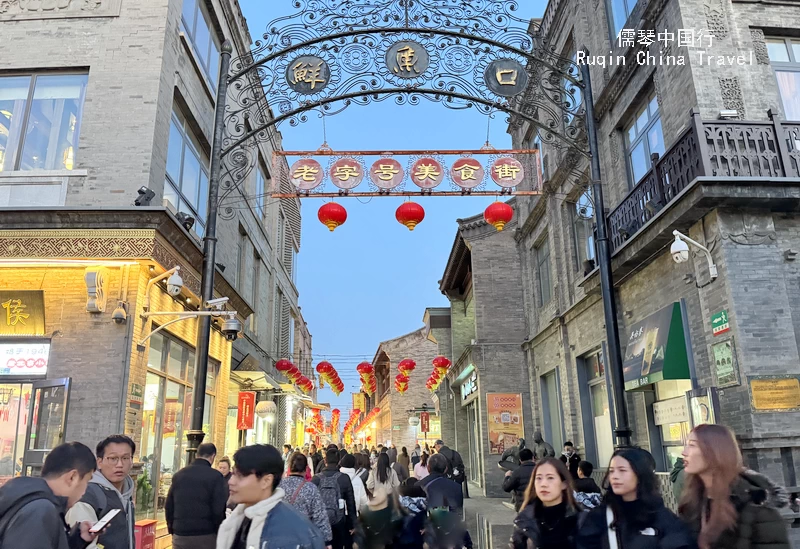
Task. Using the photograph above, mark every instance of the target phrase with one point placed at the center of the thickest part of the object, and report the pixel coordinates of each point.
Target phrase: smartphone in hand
(103, 522)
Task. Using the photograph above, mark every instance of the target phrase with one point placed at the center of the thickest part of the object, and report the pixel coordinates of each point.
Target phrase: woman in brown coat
(404, 459)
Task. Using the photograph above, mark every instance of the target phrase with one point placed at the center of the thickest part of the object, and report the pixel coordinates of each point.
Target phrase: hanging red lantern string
(329, 374)
(335, 414)
(351, 421)
(332, 215)
(440, 366)
(367, 420)
(369, 383)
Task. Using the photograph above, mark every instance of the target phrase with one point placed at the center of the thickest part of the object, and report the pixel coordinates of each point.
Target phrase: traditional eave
(457, 266)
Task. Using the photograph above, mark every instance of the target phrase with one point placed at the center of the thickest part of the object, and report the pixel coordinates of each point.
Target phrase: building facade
(97, 101)
(485, 401)
(390, 425)
(707, 149)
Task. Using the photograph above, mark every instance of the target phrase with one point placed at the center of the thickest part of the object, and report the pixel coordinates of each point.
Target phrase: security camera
(231, 328)
(120, 315)
(145, 196)
(216, 304)
(679, 250)
(186, 220)
(174, 284)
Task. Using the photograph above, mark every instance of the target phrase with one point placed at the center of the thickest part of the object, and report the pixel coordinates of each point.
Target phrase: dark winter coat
(560, 535)
(346, 489)
(518, 481)
(305, 497)
(454, 462)
(759, 526)
(587, 486)
(442, 492)
(664, 531)
(572, 463)
(32, 517)
(196, 500)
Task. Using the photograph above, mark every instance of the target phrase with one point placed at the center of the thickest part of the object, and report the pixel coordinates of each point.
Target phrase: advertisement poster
(505, 421)
(656, 349)
(425, 422)
(246, 416)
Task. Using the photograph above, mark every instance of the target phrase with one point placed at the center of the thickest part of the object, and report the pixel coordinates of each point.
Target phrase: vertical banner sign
(246, 417)
(424, 422)
(505, 421)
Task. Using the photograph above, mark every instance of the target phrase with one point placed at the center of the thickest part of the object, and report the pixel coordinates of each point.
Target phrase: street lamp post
(195, 434)
(622, 430)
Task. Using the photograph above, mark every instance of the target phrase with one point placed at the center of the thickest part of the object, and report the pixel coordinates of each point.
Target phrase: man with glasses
(111, 487)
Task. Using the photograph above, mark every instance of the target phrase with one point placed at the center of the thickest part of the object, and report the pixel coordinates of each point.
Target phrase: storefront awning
(316, 406)
(656, 349)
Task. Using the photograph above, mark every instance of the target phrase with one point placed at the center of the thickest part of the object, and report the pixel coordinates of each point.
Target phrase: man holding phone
(31, 509)
(111, 487)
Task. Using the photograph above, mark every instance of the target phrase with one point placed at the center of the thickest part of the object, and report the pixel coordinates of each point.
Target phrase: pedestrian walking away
(392, 451)
(363, 467)
(571, 459)
(516, 481)
(262, 518)
(338, 498)
(455, 465)
(196, 502)
(633, 515)
(316, 457)
(445, 501)
(111, 487)
(725, 506)
(304, 496)
(421, 468)
(587, 492)
(416, 456)
(32, 509)
(549, 517)
(541, 449)
(382, 483)
(404, 459)
(348, 467)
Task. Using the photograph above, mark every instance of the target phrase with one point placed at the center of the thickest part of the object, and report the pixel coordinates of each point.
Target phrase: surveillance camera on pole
(680, 253)
(174, 284)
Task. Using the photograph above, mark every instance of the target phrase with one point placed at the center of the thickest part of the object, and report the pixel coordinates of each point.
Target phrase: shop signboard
(22, 313)
(469, 387)
(360, 402)
(246, 415)
(505, 421)
(726, 370)
(775, 393)
(24, 359)
(656, 349)
(674, 410)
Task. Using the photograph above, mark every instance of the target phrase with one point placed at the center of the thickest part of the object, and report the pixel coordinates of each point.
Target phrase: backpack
(331, 495)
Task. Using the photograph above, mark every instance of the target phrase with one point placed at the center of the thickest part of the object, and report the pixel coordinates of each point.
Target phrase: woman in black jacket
(633, 515)
(549, 518)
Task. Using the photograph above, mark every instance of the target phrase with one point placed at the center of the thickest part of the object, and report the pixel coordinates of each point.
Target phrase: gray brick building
(726, 170)
(482, 332)
(98, 100)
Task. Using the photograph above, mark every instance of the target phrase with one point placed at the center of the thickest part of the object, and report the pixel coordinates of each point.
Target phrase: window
(543, 272)
(277, 323)
(643, 137)
(166, 417)
(40, 118)
(618, 13)
(256, 279)
(186, 184)
(197, 26)
(584, 231)
(259, 198)
(784, 54)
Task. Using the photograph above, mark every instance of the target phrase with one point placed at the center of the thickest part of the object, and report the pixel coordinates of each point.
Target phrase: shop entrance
(475, 462)
(34, 412)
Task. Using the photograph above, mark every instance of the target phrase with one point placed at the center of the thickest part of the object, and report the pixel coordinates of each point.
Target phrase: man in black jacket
(517, 481)
(32, 509)
(571, 459)
(439, 490)
(455, 465)
(344, 527)
(196, 502)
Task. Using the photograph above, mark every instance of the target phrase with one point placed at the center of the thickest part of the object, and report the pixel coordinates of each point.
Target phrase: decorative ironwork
(332, 54)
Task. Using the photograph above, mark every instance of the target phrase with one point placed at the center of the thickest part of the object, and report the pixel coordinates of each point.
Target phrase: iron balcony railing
(718, 148)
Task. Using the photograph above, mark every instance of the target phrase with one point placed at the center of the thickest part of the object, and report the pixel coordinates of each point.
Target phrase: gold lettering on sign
(507, 171)
(386, 172)
(306, 173)
(467, 171)
(344, 173)
(427, 171)
(15, 312)
(406, 60)
(307, 73)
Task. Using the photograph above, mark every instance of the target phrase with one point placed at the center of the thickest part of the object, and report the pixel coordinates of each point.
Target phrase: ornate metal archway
(332, 54)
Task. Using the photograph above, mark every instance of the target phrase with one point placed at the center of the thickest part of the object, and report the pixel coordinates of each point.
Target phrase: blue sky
(372, 278)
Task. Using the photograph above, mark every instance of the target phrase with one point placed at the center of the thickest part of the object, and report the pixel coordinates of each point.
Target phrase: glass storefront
(673, 435)
(14, 405)
(166, 417)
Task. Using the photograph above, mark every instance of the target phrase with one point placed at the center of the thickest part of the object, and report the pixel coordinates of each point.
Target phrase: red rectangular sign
(424, 422)
(145, 534)
(246, 418)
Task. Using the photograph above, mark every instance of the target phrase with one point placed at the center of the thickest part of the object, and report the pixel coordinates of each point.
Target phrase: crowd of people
(379, 498)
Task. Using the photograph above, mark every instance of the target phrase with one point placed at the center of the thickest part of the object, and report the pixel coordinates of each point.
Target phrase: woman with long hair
(382, 481)
(305, 496)
(549, 517)
(403, 458)
(421, 468)
(633, 515)
(724, 505)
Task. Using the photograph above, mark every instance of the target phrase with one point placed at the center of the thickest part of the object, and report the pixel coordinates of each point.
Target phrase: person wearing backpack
(455, 465)
(32, 509)
(337, 496)
(305, 497)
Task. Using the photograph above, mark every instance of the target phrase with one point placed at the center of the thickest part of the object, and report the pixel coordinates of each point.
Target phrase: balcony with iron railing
(723, 149)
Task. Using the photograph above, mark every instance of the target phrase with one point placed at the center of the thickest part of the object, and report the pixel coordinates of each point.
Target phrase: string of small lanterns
(440, 366)
(294, 375)
(401, 380)
(329, 374)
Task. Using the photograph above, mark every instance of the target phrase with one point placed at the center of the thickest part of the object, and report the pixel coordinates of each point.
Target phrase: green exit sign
(720, 323)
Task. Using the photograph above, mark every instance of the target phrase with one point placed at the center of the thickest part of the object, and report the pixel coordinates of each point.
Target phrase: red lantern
(406, 365)
(324, 367)
(332, 215)
(283, 365)
(365, 368)
(410, 214)
(401, 378)
(441, 362)
(498, 214)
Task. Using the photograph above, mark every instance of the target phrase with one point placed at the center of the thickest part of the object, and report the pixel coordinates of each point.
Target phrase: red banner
(424, 422)
(246, 418)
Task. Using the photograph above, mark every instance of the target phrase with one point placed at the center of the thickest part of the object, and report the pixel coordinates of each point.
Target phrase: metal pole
(195, 434)
(622, 431)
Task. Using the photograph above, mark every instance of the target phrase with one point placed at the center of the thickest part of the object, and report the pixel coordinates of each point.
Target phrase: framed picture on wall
(725, 366)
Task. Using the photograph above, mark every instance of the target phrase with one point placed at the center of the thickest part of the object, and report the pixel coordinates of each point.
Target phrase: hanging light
(498, 215)
(332, 215)
(266, 409)
(410, 214)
